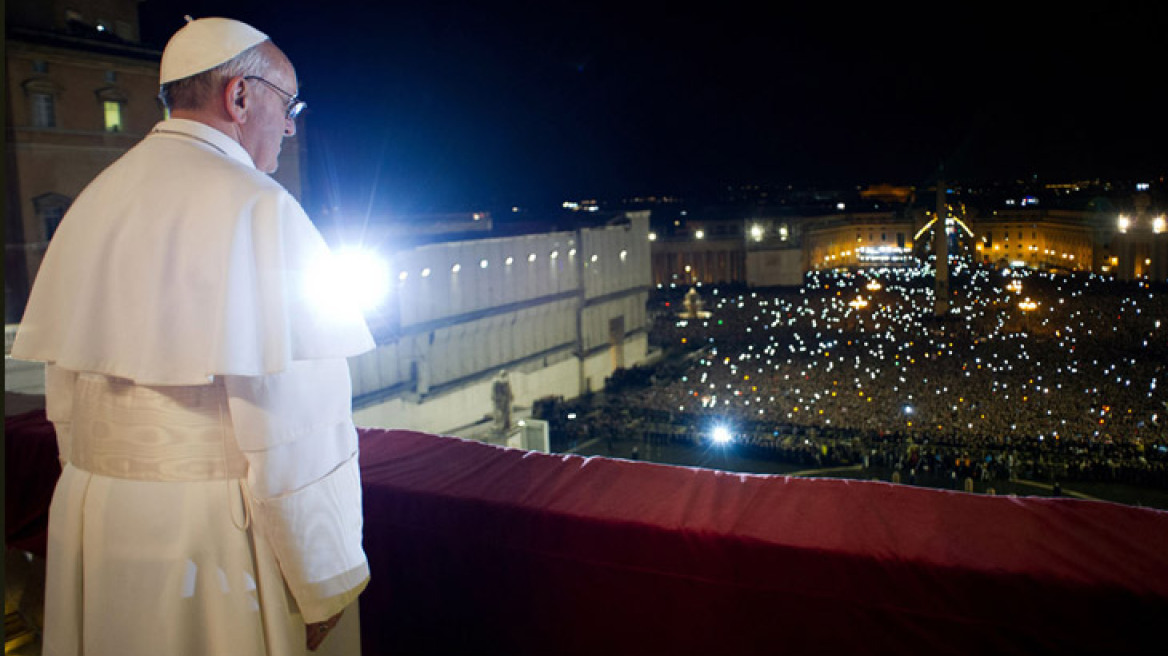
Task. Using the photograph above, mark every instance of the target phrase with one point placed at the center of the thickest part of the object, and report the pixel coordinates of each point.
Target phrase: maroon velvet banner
(477, 549)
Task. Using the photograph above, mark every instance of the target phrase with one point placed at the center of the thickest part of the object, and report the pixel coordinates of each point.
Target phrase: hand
(316, 632)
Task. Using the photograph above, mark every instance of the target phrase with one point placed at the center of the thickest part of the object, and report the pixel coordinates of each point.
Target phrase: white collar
(205, 133)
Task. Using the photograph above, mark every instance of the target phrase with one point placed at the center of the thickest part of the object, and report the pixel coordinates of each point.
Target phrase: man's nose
(289, 127)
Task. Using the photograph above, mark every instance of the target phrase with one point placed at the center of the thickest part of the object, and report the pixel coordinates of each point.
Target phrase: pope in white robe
(210, 498)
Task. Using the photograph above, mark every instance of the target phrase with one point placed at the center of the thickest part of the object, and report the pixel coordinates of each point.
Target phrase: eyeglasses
(295, 105)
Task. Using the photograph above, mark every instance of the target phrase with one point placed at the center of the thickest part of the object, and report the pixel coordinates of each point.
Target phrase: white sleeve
(59, 384)
(296, 430)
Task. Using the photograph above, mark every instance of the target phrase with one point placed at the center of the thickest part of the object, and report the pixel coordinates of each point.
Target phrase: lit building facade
(1064, 240)
(857, 239)
(1129, 244)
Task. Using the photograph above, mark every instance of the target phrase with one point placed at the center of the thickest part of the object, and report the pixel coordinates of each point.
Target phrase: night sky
(447, 106)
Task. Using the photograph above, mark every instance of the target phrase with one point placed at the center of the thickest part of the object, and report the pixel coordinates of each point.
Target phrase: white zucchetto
(204, 44)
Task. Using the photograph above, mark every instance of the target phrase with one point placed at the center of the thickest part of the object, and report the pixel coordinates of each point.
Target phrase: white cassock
(210, 499)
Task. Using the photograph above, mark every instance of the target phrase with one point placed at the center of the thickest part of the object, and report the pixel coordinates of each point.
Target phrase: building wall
(774, 267)
(1041, 239)
(841, 240)
(558, 325)
(685, 261)
(55, 163)
(470, 403)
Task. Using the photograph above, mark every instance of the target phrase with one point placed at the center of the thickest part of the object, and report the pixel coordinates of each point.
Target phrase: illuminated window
(113, 115)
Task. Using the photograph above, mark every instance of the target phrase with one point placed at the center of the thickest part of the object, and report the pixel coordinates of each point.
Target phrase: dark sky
(437, 105)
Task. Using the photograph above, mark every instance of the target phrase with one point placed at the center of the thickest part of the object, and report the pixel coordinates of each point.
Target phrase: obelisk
(941, 249)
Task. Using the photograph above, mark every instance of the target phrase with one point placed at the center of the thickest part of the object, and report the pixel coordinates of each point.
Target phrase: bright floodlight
(350, 277)
(364, 277)
(721, 435)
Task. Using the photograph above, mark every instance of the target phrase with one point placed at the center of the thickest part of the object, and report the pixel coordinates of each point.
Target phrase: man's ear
(237, 99)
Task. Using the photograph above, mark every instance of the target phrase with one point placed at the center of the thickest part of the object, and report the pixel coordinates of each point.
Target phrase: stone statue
(502, 396)
(693, 305)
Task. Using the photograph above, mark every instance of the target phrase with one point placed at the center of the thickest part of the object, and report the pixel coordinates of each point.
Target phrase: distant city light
(652, 236)
(509, 260)
(1124, 223)
(700, 234)
(840, 206)
(1158, 225)
(531, 257)
(720, 435)
(426, 272)
(756, 232)
(456, 268)
(482, 264)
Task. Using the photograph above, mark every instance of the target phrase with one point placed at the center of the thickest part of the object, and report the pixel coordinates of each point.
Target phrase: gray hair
(192, 92)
